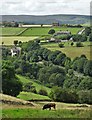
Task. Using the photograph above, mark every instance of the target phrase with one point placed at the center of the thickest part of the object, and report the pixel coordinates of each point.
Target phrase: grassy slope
(71, 52)
(32, 96)
(44, 31)
(25, 80)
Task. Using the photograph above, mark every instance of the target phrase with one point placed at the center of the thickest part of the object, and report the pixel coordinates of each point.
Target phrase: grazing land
(10, 40)
(34, 31)
(71, 51)
(38, 31)
(34, 109)
(32, 96)
(63, 110)
(11, 31)
(38, 86)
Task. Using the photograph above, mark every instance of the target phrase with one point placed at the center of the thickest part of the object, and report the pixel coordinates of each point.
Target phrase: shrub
(62, 95)
(85, 96)
(61, 45)
(43, 92)
(52, 31)
(79, 44)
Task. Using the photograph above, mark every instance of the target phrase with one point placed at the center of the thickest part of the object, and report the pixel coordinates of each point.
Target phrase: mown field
(72, 51)
(44, 31)
(11, 31)
(10, 40)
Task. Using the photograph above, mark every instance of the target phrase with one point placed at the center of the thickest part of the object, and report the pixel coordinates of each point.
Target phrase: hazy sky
(45, 7)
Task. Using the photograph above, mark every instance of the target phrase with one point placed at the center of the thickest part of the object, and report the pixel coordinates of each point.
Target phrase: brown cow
(49, 105)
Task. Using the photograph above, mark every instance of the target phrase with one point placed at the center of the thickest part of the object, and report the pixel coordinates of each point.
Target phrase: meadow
(37, 112)
(9, 40)
(11, 31)
(71, 51)
(29, 95)
(34, 31)
(44, 31)
(38, 86)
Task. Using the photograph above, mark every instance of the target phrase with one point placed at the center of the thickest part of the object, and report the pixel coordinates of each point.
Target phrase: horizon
(45, 15)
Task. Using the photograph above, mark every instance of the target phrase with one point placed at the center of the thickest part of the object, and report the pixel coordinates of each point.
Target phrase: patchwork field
(10, 40)
(11, 31)
(44, 31)
(34, 31)
(72, 51)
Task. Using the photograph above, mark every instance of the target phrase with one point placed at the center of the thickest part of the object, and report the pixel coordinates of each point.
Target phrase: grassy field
(11, 31)
(71, 51)
(35, 31)
(44, 31)
(38, 113)
(25, 80)
(63, 110)
(32, 96)
(10, 40)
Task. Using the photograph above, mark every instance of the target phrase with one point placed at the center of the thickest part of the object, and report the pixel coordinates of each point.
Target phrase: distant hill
(48, 19)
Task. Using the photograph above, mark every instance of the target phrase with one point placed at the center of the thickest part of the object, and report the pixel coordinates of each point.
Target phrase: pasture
(38, 31)
(32, 96)
(34, 109)
(67, 111)
(10, 40)
(10, 31)
(38, 86)
(71, 51)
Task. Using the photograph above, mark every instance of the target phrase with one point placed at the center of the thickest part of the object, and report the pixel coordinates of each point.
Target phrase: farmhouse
(28, 26)
(15, 51)
(62, 33)
(55, 24)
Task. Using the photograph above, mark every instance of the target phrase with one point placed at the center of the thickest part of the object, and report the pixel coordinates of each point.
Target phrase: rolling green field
(10, 40)
(71, 51)
(44, 31)
(25, 80)
(32, 96)
(35, 31)
(11, 31)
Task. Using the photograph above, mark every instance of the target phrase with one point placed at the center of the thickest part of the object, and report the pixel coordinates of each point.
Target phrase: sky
(44, 7)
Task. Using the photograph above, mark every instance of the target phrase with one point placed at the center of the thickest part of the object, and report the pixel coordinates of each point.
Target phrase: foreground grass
(10, 40)
(71, 51)
(38, 113)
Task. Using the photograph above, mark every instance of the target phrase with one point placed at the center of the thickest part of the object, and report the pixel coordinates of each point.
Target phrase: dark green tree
(52, 31)
(10, 84)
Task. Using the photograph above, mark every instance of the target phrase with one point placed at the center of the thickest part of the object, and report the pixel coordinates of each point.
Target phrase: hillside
(48, 19)
(38, 86)
(6, 99)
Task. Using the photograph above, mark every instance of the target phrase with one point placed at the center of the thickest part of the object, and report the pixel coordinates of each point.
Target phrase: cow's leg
(50, 108)
(54, 107)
